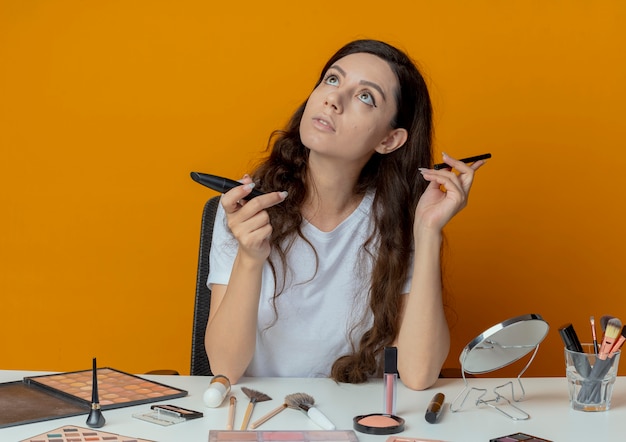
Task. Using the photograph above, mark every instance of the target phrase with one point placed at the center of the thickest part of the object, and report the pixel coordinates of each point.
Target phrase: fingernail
(284, 194)
(422, 169)
(249, 186)
(443, 154)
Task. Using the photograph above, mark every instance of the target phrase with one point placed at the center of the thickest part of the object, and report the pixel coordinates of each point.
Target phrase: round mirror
(503, 344)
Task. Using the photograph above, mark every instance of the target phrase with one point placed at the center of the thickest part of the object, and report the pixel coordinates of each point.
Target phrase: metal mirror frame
(498, 347)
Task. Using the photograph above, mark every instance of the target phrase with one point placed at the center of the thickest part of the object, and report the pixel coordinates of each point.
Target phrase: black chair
(200, 365)
(199, 360)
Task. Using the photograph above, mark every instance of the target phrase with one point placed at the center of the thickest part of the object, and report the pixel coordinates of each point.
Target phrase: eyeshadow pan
(282, 436)
(378, 420)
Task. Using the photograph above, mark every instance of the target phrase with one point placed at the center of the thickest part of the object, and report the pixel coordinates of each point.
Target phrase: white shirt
(318, 309)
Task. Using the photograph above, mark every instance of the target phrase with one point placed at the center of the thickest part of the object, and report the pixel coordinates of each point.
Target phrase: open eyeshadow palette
(39, 398)
(282, 436)
(72, 433)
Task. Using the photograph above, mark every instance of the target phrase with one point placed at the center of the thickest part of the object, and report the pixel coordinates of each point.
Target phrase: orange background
(105, 108)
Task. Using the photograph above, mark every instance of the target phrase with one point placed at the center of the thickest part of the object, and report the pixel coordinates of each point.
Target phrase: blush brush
(618, 344)
(306, 403)
(612, 332)
(254, 396)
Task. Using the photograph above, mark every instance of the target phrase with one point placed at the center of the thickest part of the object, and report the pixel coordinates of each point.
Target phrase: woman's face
(348, 115)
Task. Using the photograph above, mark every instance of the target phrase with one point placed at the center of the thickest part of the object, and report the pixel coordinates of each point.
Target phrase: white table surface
(546, 401)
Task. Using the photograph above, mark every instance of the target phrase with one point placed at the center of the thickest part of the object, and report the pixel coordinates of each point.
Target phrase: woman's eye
(367, 98)
(331, 79)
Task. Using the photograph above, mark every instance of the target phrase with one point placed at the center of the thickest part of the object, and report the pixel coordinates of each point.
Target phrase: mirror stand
(499, 346)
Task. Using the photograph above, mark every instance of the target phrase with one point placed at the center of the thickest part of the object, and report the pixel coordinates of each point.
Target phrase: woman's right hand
(248, 221)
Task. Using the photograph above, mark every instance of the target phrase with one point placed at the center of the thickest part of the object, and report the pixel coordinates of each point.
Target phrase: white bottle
(217, 391)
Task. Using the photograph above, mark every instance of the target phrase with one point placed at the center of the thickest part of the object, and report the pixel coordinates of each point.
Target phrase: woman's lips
(324, 124)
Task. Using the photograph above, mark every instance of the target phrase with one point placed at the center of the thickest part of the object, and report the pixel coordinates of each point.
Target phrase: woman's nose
(334, 100)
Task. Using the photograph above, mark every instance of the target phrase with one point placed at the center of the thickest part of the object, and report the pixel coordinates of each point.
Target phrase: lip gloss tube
(390, 379)
(386, 422)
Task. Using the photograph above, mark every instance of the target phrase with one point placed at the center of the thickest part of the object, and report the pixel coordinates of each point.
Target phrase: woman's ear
(394, 140)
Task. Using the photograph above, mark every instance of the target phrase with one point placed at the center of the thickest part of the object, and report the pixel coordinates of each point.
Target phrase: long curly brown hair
(398, 186)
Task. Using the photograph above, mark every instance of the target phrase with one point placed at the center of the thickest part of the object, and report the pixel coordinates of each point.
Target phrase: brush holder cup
(590, 378)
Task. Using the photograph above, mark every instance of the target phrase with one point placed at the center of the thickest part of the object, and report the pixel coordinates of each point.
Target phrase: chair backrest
(200, 365)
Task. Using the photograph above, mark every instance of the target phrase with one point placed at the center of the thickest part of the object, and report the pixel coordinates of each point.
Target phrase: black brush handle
(465, 160)
(221, 184)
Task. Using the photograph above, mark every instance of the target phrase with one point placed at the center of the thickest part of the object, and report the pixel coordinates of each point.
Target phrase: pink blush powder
(378, 421)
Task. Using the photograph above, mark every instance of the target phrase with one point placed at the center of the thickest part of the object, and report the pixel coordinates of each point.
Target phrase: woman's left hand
(446, 194)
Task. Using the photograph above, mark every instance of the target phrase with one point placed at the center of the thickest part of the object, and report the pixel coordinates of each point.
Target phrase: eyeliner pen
(465, 160)
(221, 184)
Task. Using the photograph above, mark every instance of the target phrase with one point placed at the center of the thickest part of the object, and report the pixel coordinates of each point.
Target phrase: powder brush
(254, 396)
(613, 329)
(618, 344)
(305, 403)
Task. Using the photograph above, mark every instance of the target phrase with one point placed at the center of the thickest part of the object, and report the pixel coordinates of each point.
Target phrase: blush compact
(379, 424)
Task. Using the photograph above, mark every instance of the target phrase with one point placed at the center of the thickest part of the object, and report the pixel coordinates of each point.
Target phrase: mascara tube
(570, 338)
(390, 379)
(573, 345)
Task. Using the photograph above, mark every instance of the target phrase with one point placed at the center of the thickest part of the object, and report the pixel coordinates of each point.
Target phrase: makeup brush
(254, 396)
(95, 418)
(604, 321)
(231, 413)
(268, 416)
(305, 402)
(593, 334)
(618, 344)
(613, 329)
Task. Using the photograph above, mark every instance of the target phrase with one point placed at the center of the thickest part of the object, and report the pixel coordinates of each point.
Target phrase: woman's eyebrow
(363, 82)
(338, 68)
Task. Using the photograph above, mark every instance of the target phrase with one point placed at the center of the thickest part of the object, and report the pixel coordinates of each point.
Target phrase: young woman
(341, 257)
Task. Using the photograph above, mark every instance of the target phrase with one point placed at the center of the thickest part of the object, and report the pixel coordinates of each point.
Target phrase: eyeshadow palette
(71, 433)
(40, 398)
(22, 403)
(282, 436)
(116, 388)
(517, 437)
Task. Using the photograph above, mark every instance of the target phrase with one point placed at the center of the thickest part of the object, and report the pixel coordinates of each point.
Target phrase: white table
(546, 401)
